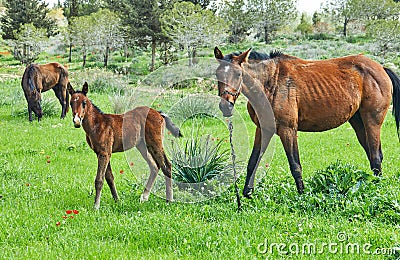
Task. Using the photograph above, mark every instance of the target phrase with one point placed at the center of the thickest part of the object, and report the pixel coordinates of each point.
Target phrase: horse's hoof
(247, 192)
(96, 207)
(143, 199)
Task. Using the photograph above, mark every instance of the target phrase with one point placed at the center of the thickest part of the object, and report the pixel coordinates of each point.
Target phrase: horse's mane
(255, 55)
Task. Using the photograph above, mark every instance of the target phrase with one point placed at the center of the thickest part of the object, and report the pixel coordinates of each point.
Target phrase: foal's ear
(85, 88)
(218, 54)
(70, 88)
(244, 57)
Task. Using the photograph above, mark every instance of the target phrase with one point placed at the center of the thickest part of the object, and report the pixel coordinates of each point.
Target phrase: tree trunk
(190, 57)
(84, 59)
(153, 54)
(194, 60)
(70, 53)
(346, 22)
(266, 35)
(106, 56)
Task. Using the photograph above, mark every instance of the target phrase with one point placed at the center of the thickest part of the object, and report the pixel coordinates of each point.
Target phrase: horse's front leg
(289, 140)
(102, 159)
(60, 93)
(30, 113)
(252, 164)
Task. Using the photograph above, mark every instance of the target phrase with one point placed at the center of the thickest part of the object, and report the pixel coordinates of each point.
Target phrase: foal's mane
(96, 107)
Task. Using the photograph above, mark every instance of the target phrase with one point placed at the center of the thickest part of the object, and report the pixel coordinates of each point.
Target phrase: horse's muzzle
(226, 107)
(77, 121)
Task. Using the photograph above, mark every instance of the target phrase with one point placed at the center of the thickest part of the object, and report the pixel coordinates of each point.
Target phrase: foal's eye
(84, 103)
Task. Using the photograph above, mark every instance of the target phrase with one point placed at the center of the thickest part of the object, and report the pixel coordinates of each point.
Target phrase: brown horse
(40, 78)
(141, 127)
(310, 96)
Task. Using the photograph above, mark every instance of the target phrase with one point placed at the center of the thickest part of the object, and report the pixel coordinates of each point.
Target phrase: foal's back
(140, 124)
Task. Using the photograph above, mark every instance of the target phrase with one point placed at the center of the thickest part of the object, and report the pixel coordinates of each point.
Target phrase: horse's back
(325, 94)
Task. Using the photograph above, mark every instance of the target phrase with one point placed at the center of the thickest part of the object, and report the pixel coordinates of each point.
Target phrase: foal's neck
(93, 118)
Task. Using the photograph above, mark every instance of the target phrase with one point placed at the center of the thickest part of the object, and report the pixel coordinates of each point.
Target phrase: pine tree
(20, 12)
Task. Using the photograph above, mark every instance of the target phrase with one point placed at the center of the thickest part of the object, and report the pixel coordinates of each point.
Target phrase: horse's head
(34, 101)
(230, 79)
(78, 104)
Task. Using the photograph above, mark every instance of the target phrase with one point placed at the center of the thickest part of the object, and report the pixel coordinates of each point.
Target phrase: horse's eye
(83, 103)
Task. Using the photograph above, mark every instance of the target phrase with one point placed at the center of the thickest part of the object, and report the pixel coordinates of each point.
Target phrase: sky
(308, 6)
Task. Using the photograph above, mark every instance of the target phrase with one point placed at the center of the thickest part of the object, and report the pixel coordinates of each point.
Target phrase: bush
(342, 189)
(199, 159)
(100, 80)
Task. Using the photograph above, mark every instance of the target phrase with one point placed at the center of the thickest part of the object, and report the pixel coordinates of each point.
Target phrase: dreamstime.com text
(341, 246)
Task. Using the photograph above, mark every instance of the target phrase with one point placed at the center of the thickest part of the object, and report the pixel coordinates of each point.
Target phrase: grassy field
(47, 191)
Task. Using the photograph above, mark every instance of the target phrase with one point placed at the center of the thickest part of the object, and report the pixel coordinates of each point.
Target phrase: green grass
(47, 168)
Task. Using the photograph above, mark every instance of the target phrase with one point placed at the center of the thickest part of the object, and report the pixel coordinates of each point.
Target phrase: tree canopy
(20, 12)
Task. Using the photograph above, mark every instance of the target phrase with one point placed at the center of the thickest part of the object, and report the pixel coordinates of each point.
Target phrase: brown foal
(141, 127)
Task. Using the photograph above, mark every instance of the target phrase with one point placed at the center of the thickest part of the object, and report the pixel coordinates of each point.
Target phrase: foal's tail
(396, 96)
(175, 131)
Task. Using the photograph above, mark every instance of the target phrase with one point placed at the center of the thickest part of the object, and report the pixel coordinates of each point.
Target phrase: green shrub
(99, 80)
(199, 159)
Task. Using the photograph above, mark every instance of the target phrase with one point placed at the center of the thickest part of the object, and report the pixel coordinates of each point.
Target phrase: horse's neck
(92, 118)
(259, 76)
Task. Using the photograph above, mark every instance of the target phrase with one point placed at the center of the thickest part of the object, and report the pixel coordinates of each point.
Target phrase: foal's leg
(153, 171)
(102, 159)
(289, 140)
(157, 152)
(110, 182)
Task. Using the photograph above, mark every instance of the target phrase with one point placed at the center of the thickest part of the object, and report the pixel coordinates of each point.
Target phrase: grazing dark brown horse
(310, 96)
(141, 127)
(40, 78)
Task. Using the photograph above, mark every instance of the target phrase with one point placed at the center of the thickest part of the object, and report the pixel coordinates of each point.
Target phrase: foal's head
(78, 104)
(230, 79)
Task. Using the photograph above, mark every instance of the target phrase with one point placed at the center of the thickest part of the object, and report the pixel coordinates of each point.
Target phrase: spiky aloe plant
(199, 159)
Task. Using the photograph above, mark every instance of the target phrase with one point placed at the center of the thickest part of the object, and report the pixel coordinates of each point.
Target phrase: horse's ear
(244, 57)
(218, 54)
(70, 88)
(85, 88)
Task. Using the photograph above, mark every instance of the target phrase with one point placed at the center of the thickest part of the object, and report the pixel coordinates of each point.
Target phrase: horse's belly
(322, 119)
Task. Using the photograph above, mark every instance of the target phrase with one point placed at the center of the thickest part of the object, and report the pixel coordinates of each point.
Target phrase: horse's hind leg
(358, 126)
(373, 139)
(153, 170)
(110, 182)
(289, 140)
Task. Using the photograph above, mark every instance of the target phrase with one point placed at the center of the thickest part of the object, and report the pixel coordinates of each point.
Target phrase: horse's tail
(396, 96)
(30, 75)
(175, 131)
